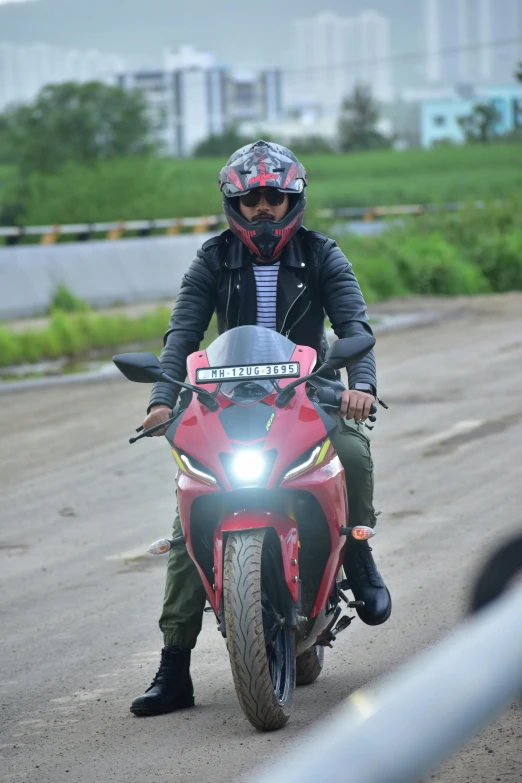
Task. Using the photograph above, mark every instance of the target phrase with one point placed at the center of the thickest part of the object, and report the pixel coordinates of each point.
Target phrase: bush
(499, 257)
(66, 301)
(9, 349)
(431, 265)
(74, 334)
(471, 251)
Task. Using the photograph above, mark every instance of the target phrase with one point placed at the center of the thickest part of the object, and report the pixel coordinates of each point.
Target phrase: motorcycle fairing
(201, 435)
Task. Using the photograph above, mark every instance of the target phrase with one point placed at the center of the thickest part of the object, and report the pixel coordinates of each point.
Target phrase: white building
(188, 105)
(192, 98)
(254, 95)
(24, 70)
(466, 40)
(333, 54)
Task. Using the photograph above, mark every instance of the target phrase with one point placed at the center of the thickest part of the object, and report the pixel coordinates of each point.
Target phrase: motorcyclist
(266, 270)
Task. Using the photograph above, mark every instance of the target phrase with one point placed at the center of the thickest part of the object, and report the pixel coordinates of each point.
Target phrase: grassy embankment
(135, 189)
(473, 251)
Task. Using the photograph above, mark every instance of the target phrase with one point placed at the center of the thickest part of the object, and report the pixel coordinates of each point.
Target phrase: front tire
(260, 645)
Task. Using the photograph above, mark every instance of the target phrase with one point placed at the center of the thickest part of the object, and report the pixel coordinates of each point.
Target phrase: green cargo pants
(185, 595)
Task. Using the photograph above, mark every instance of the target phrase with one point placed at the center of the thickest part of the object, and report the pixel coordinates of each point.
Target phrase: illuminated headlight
(248, 466)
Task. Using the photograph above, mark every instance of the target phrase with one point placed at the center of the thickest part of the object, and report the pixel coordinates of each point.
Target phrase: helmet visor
(230, 189)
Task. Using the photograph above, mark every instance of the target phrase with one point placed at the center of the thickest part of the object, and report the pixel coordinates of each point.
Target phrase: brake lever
(148, 433)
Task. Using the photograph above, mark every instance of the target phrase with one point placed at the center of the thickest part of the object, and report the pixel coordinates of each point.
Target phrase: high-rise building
(333, 54)
(24, 70)
(472, 41)
(254, 95)
(194, 98)
(187, 105)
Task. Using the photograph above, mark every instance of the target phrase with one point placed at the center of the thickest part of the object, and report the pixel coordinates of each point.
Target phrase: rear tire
(263, 671)
(309, 665)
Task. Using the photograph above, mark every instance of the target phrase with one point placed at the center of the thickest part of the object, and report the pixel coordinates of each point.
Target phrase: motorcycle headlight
(248, 466)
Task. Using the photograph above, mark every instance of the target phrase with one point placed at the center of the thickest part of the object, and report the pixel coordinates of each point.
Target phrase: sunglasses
(252, 198)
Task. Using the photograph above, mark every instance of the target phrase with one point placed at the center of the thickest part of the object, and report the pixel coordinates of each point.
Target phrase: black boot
(366, 583)
(171, 688)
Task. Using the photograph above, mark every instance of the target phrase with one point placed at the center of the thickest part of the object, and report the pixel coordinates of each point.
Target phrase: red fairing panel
(254, 520)
(327, 484)
(188, 490)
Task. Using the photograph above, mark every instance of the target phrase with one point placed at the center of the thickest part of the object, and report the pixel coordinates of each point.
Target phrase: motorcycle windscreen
(248, 348)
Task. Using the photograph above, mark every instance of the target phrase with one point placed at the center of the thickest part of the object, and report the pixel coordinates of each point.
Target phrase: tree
(518, 72)
(479, 126)
(358, 123)
(221, 145)
(76, 122)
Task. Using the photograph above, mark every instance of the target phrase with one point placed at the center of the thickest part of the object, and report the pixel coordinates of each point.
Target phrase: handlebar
(334, 408)
(331, 403)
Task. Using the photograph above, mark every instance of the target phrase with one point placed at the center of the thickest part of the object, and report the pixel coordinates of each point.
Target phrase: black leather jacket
(315, 279)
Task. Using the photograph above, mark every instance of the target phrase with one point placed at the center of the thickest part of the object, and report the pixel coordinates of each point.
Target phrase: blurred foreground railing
(114, 230)
(48, 235)
(417, 717)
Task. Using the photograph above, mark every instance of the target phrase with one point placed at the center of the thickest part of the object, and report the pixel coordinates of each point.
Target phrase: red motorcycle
(263, 504)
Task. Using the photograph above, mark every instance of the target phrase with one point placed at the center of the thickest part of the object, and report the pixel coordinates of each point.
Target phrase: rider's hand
(158, 413)
(356, 404)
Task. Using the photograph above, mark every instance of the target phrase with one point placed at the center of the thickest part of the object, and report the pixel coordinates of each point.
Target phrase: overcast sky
(239, 32)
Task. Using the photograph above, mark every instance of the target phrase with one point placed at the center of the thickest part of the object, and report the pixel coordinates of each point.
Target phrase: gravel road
(79, 599)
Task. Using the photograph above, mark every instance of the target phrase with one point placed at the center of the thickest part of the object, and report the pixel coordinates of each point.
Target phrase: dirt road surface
(79, 599)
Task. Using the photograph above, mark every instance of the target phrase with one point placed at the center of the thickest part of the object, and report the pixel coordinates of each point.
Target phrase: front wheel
(260, 644)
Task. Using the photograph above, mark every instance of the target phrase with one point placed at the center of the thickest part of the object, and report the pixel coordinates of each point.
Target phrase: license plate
(248, 371)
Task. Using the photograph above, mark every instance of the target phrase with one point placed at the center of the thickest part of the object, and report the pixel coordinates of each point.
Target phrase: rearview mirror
(349, 350)
(139, 367)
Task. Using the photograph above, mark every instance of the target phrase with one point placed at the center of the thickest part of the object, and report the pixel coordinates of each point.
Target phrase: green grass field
(160, 187)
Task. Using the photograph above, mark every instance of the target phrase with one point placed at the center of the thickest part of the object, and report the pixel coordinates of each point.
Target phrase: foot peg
(350, 604)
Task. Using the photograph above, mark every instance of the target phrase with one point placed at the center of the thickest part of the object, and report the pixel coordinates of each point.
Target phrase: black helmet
(261, 165)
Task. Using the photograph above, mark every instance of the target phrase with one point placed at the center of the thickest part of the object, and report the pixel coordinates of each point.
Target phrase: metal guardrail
(378, 213)
(113, 230)
(199, 225)
(400, 731)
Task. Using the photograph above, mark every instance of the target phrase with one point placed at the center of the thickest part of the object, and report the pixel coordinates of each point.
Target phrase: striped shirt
(266, 286)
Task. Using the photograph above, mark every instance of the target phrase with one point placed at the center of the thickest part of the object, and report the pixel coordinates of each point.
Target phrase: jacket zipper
(228, 299)
(299, 295)
(239, 297)
(308, 306)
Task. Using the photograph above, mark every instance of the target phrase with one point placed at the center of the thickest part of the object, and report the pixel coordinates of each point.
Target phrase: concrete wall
(101, 273)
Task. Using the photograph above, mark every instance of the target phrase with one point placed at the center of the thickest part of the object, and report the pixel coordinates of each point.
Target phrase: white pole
(422, 713)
